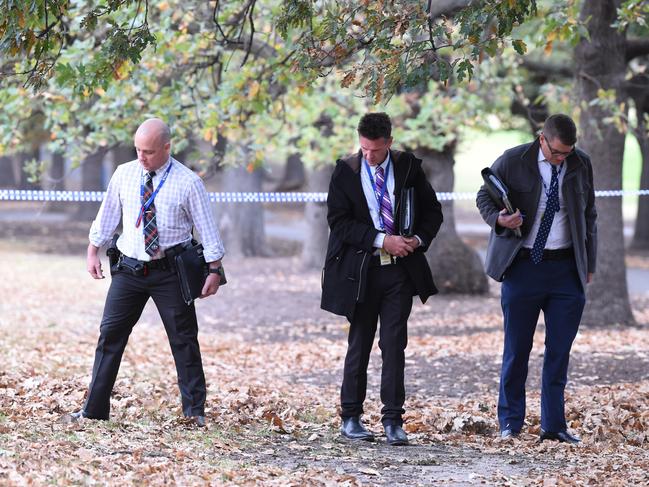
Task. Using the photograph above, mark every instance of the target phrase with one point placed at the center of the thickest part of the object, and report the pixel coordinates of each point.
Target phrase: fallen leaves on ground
(273, 384)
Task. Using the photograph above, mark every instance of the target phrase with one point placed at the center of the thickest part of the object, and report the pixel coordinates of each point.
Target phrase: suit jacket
(352, 232)
(518, 169)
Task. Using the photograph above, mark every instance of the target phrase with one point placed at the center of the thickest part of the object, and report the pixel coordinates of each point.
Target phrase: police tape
(246, 197)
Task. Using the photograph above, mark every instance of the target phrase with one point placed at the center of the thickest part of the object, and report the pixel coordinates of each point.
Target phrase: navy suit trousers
(125, 302)
(553, 287)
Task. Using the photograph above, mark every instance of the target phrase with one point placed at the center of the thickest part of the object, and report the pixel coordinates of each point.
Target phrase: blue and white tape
(245, 197)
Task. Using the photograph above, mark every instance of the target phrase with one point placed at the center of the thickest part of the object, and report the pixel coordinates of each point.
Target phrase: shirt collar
(161, 170)
(542, 157)
(383, 164)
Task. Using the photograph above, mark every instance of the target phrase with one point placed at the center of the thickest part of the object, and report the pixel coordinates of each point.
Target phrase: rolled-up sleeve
(203, 219)
(109, 215)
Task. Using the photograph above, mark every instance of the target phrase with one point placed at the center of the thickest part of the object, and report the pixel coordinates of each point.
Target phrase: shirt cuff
(421, 242)
(378, 240)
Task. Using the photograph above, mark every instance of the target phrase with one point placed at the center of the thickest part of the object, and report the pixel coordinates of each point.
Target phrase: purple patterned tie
(386, 205)
(151, 240)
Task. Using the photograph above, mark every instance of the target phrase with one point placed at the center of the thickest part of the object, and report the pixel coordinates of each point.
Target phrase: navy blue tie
(551, 207)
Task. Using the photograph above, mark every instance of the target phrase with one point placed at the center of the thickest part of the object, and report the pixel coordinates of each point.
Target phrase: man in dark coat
(371, 271)
(551, 185)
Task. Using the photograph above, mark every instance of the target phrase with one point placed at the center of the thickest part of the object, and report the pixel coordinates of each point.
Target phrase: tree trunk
(315, 214)
(457, 268)
(7, 173)
(641, 234)
(17, 162)
(53, 178)
(600, 64)
(92, 179)
(242, 223)
(294, 177)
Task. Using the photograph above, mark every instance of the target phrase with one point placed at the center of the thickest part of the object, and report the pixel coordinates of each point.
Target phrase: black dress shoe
(509, 433)
(353, 429)
(395, 435)
(77, 416)
(561, 436)
(80, 416)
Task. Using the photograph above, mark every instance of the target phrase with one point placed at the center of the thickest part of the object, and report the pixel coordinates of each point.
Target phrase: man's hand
(412, 241)
(212, 282)
(512, 221)
(589, 278)
(93, 263)
(398, 246)
(211, 285)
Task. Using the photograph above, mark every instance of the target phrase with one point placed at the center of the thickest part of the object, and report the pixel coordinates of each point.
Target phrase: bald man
(159, 201)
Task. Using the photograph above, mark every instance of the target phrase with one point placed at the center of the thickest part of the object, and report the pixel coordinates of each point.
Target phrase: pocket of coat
(581, 195)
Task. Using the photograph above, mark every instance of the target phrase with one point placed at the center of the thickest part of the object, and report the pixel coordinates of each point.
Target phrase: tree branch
(446, 7)
(548, 69)
(636, 48)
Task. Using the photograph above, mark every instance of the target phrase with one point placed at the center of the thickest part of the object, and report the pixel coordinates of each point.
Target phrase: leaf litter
(273, 383)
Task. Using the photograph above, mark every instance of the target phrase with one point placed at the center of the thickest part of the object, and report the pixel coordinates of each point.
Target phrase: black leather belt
(548, 254)
(157, 264)
(375, 261)
(141, 267)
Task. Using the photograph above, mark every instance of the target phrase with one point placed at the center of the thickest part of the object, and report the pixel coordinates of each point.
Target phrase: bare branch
(636, 48)
(252, 31)
(256, 47)
(446, 7)
(548, 69)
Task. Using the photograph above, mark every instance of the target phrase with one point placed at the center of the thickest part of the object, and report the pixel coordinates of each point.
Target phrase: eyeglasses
(557, 153)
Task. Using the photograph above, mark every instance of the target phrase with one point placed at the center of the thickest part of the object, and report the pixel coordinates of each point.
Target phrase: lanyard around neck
(147, 204)
(379, 197)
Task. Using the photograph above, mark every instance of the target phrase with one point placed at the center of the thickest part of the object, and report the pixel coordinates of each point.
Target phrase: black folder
(498, 193)
(407, 212)
(192, 272)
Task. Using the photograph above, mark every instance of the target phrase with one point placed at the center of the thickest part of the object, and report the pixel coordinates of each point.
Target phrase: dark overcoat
(351, 239)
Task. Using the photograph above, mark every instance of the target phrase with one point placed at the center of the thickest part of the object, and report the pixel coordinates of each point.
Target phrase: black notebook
(192, 272)
(498, 193)
(407, 212)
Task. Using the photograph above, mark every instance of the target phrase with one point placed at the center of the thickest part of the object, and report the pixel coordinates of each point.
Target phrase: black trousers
(389, 296)
(126, 299)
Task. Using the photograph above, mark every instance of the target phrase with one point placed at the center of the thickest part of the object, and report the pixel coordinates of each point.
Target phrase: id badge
(386, 259)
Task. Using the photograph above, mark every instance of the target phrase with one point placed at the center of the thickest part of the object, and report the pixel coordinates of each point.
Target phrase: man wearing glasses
(551, 184)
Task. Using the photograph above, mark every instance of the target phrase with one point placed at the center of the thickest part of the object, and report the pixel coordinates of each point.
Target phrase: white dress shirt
(559, 237)
(370, 195)
(181, 204)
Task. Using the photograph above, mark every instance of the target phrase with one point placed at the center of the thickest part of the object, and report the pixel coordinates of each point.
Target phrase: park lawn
(273, 365)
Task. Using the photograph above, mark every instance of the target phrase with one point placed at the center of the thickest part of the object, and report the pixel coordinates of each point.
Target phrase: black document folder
(498, 193)
(192, 272)
(407, 212)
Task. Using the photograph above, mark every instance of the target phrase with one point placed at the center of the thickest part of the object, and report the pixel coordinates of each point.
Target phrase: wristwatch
(218, 270)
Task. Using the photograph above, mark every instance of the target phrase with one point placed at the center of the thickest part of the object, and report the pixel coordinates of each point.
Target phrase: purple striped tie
(386, 205)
